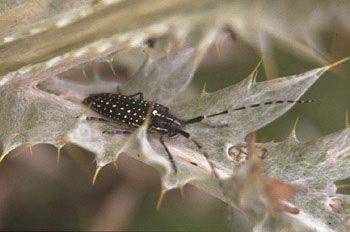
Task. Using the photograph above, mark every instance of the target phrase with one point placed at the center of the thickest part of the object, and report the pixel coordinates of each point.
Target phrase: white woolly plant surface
(32, 115)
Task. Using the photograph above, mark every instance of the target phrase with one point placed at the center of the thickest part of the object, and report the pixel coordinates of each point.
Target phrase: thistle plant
(279, 186)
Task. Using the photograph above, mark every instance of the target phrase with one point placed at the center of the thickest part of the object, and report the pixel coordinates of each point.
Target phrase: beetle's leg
(102, 120)
(211, 164)
(171, 158)
(206, 156)
(137, 94)
(116, 132)
(95, 119)
(140, 94)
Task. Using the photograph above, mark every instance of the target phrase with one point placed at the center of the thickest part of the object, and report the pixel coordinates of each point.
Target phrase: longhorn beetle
(132, 112)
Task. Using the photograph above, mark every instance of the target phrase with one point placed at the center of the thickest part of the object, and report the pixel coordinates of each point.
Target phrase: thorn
(115, 165)
(328, 67)
(147, 52)
(25, 147)
(148, 116)
(59, 153)
(293, 132)
(255, 72)
(270, 66)
(161, 198)
(3, 156)
(251, 79)
(204, 91)
(15, 135)
(65, 139)
(182, 191)
(98, 169)
(110, 63)
(31, 150)
(347, 119)
(218, 46)
(84, 73)
(269, 60)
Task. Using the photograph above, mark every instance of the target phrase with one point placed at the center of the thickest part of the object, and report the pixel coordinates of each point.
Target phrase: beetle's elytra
(132, 111)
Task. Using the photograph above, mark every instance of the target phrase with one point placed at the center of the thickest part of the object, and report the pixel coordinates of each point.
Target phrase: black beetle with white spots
(132, 112)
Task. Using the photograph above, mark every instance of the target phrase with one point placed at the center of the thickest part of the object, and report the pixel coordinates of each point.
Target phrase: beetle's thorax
(165, 122)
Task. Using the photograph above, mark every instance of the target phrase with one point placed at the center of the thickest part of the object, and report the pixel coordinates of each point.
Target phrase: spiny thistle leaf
(314, 167)
(32, 116)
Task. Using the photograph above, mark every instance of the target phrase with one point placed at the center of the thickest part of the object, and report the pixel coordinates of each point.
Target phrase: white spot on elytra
(121, 108)
(110, 111)
(125, 116)
(154, 112)
(129, 111)
(114, 106)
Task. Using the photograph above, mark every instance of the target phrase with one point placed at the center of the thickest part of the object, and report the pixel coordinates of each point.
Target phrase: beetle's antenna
(200, 118)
